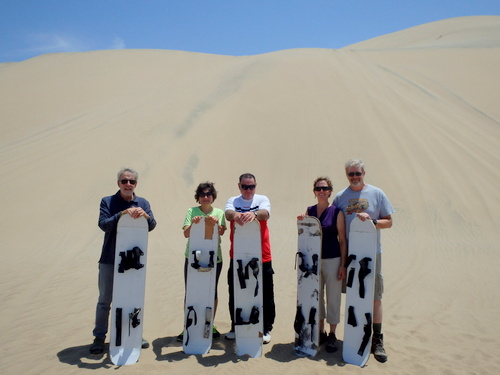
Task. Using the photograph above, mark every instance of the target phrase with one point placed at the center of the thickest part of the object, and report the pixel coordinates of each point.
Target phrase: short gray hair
(123, 170)
(354, 163)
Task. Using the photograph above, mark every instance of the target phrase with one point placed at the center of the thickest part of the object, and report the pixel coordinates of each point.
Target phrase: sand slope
(421, 112)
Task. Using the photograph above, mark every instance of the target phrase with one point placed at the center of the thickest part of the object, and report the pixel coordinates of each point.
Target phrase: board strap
(130, 259)
(305, 268)
(368, 334)
(363, 272)
(299, 320)
(351, 317)
(312, 320)
(189, 321)
(118, 324)
(208, 321)
(254, 316)
(243, 273)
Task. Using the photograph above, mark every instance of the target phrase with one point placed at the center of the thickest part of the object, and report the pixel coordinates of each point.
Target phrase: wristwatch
(375, 222)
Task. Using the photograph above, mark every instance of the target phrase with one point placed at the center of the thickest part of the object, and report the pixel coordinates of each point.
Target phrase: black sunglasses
(352, 174)
(324, 188)
(132, 182)
(205, 194)
(246, 187)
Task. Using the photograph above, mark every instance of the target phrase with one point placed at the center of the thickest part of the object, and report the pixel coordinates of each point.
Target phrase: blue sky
(229, 27)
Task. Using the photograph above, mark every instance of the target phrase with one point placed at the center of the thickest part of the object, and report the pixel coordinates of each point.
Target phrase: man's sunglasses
(246, 187)
(132, 182)
(352, 174)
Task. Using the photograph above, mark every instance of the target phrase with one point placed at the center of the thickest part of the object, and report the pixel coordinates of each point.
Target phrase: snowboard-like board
(359, 292)
(247, 271)
(128, 290)
(200, 287)
(308, 284)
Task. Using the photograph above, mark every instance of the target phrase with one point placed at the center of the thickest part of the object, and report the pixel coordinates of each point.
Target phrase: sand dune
(419, 106)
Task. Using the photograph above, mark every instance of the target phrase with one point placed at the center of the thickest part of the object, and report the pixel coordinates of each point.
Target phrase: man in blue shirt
(124, 202)
(368, 202)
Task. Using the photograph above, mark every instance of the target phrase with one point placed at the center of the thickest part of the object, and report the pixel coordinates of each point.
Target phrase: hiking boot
(215, 333)
(378, 348)
(97, 346)
(230, 335)
(331, 343)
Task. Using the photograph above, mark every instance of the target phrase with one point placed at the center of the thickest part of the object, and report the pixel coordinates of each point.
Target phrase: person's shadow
(222, 351)
(80, 356)
(286, 353)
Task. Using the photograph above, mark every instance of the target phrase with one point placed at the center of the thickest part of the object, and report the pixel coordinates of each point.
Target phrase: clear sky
(228, 27)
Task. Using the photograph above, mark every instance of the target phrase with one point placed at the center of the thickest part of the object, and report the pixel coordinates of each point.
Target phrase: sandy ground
(420, 107)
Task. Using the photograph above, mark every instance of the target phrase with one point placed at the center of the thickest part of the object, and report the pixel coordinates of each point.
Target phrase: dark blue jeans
(105, 283)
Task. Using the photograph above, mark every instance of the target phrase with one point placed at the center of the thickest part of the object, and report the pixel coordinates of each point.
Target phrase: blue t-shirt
(371, 200)
(330, 247)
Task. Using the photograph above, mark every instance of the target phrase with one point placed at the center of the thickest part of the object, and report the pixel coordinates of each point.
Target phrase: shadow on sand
(80, 356)
(170, 350)
(286, 353)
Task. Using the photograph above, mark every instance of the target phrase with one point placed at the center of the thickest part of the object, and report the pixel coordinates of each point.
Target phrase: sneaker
(230, 335)
(331, 343)
(144, 344)
(97, 346)
(266, 339)
(215, 333)
(180, 338)
(378, 348)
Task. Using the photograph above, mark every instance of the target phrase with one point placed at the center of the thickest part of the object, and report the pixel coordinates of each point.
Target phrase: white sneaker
(230, 335)
(266, 339)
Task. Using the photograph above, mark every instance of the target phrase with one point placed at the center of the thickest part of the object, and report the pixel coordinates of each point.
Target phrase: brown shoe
(378, 348)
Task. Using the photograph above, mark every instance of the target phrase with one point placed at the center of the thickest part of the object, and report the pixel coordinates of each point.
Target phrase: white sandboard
(308, 283)
(248, 313)
(358, 308)
(200, 287)
(128, 291)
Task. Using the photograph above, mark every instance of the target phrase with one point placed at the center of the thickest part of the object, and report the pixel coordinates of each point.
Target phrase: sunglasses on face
(352, 174)
(246, 187)
(324, 188)
(202, 195)
(124, 181)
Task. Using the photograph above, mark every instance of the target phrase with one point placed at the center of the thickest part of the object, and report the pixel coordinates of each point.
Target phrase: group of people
(359, 199)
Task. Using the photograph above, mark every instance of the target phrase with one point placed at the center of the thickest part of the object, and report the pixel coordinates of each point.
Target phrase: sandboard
(308, 283)
(359, 292)
(128, 290)
(200, 287)
(247, 271)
